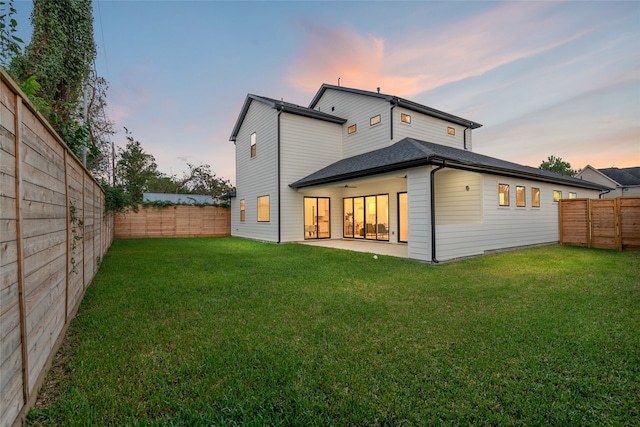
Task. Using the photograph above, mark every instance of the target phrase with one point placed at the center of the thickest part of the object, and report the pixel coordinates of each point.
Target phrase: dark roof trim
(374, 163)
(286, 107)
(401, 102)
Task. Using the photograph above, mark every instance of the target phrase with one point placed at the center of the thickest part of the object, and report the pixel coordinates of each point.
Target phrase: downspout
(603, 193)
(433, 214)
(464, 135)
(393, 103)
(278, 143)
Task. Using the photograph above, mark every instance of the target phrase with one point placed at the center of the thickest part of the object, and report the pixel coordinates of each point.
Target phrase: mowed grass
(224, 331)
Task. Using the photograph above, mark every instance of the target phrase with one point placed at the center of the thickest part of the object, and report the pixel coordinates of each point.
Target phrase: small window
(557, 195)
(405, 118)
(535, 197)
(263, 209)
(451, 131)
(253, 144)
(375, 120)
(242, 210)
(521, 196)
(573, 195)
(503, 192)
(352, 129)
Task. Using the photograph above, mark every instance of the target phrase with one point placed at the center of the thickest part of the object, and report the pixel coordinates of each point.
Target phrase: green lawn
(224, 331)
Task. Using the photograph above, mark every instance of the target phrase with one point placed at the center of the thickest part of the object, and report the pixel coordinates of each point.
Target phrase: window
(316, 218)
(535, 197)
(521, 196)
(352, 129)
(263, 209)
(503, 193)
(366, 217)
(405, 118)
(557, 195)
(242, 211)
(253, 144)
(375, 120)
(451, 131)
(573, 195)
(403, 217)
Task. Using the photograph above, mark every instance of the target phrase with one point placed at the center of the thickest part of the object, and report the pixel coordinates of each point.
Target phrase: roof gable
(281, 105)
(395, 100)
(410, 152)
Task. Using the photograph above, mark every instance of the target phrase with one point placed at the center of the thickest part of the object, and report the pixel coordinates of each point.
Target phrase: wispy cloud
(427, 59)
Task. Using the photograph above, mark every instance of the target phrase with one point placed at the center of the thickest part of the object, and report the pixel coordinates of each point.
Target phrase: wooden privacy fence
(601, 223)
(173, 221)
(53, 233)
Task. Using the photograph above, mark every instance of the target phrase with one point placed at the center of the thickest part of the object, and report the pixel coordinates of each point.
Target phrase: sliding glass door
(366, 217)
(316, 218)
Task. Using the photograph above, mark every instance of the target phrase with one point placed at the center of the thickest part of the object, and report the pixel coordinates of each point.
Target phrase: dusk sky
(544, 78)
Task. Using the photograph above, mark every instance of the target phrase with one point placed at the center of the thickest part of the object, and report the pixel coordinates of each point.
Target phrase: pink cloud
(428, 59)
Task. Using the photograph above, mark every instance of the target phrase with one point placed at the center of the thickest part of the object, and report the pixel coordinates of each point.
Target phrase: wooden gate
(601, 223)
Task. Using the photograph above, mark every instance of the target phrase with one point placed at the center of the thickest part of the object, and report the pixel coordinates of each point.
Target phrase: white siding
(591, 175)
(306, 145)
(505, 227)
(257, 176)
(428, 129)
(418, 186)
(458, 197)
(358, 110)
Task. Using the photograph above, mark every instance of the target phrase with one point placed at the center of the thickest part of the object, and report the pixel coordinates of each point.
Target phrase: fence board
(41, 183)
(172, 221)
(606, 223)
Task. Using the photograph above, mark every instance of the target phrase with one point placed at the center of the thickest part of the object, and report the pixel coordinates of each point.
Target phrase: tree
(202, 180)
(555, 164)
(135, 169)
(9, 41)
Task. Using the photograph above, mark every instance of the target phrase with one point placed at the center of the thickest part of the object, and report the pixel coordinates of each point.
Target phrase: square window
(405, 118)
(557, 195)
(263, 209)
(521, 196)
(503, 194)
(573, 195)
(451, 131)
(375, 120)
(535, 197)
(352, 129)
(253, 144)
(242, 211)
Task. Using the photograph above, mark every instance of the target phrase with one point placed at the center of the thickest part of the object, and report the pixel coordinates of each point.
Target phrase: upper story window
(405, 118)
(375, 120)
(451, 131)
(521, 196)
(503, 194)
(535, 197)
(352, 129)
(253, 144)
(557, 195)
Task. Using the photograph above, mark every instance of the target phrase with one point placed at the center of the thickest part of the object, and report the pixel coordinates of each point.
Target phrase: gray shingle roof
(411, 152)
(624, 176)
(281, 106)
(395, 100)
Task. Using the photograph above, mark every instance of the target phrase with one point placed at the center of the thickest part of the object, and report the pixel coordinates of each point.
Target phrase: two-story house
(367, 166)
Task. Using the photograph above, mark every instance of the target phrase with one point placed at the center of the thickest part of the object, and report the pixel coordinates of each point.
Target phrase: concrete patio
(374, 247)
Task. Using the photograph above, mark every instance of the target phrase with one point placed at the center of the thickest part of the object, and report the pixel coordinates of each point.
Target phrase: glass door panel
(323, 218)
(348, 217)
(403, 217)
(382, 220)
(358, 217)
(316, 218)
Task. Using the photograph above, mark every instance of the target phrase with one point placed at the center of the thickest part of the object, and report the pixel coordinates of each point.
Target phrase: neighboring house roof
(411, 152)
(625, 177)
(287, 107)
(401, 102)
